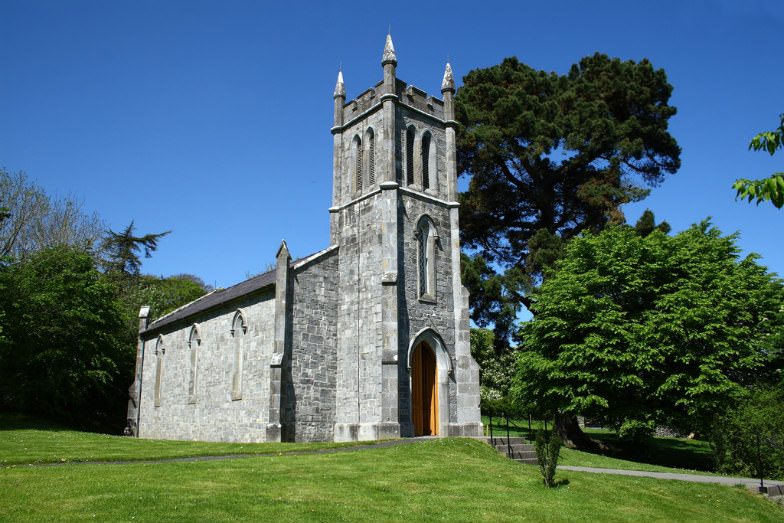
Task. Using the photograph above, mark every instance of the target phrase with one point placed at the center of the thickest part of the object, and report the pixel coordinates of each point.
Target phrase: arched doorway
(424, 391)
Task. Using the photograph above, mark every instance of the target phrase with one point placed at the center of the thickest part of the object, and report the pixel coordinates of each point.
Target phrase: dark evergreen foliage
(550, 156)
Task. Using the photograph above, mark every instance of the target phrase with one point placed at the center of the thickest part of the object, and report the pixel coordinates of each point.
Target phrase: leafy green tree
(124, 248)
(771, 188)
(550, 156)
(496, 363)
(62, 355)
(749, 438)
(636, 331)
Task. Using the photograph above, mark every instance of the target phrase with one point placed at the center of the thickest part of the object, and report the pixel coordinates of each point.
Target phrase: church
(367, 339)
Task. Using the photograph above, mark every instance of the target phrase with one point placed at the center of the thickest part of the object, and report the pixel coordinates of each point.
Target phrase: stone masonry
(321, 348)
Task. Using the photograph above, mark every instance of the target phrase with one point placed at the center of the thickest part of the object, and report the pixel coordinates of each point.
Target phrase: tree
(496, 365)
(123, 249)
(749, 438)
(644, 330)
(550, 156)
(771, 188)
(62, 356)
(30, 220)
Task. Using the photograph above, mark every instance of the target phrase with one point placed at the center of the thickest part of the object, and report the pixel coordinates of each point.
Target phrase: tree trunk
(571, 435)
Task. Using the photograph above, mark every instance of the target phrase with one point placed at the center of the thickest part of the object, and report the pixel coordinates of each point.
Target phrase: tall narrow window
(410, 156)
(426, 236)
(238, 330)
(371, 160)
(426, 161)
(194, 341)
(159, 352)
(357, 164)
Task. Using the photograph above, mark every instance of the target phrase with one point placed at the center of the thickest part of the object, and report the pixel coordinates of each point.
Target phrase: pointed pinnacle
(389, 52)
(448, 83)
(340, 89)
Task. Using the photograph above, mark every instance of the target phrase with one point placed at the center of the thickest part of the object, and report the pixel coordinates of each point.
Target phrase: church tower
(404, 365)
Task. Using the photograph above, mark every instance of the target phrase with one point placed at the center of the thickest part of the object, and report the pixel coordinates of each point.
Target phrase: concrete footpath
(777, 487)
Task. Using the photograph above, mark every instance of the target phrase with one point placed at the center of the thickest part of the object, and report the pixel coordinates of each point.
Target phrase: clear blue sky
(212, 118)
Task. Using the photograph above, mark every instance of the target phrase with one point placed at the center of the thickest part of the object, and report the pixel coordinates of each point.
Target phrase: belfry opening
(424, 390)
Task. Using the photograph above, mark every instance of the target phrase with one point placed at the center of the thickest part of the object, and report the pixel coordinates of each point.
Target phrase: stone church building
(366, 339)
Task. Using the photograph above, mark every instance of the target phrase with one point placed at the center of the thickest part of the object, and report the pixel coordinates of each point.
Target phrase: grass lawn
(448, 479)
(25, 440)
(654, 455)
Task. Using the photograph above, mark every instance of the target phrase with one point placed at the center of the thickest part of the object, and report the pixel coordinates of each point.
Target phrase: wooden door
(424, 391)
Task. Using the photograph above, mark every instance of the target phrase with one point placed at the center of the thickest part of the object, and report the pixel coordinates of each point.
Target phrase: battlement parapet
(408, 95)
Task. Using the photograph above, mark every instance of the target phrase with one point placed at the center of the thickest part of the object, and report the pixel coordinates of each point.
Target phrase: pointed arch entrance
(430, 374)
(424, 390)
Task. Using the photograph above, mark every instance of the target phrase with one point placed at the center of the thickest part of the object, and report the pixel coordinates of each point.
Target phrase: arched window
(194, 341)
(410, 132)
(370, 144)
(426, 160)
(159, 353)
(238, 330)
(357, 147)
(426, 236)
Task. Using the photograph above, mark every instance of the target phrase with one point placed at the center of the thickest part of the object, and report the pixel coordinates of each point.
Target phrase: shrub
(547, 455)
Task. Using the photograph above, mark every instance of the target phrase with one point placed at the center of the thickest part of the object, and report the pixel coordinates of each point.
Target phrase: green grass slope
(25, 440)
(447, 479)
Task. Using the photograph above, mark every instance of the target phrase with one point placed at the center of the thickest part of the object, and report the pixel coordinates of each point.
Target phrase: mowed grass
(25, 440)
(447, 479)
(653, 455)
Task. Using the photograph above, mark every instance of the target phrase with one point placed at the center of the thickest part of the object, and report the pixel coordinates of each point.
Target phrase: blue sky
(212, 118)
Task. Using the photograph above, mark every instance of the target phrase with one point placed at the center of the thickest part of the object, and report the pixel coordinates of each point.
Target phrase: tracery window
(426, 236)
(159, 353)
(194, 342)
(426, 161)
(357, 164)
(370, 140)
(410, 132)
(239, 328)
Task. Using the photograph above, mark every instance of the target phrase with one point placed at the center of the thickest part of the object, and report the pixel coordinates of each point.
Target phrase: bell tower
(394, 219)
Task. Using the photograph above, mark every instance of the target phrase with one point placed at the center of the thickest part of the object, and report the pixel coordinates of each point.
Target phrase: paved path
(695, 478)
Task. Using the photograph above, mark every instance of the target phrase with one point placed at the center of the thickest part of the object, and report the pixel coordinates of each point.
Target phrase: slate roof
(219, 297)
(214, 299)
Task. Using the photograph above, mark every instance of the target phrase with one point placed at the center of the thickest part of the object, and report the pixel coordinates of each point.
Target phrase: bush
(547, 455)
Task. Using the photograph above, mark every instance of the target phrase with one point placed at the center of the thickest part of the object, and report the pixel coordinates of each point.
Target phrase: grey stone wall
(359, 380)
(419, 314)
(214, 416)
(311, 404)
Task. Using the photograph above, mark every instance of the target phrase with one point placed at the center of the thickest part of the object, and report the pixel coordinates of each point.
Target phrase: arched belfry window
(239, 329)
(370, 157)
(159, 353)
(426, 254)
(426, 139)
(194, 342)
(410, 134)
(357, 148)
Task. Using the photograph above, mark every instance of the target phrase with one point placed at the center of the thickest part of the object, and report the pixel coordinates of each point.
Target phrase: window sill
(427, 298)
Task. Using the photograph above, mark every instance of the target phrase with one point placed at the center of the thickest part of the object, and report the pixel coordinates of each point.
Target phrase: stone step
(502, 441)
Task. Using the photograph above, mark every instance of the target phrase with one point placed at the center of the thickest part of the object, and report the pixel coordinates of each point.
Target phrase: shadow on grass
(17, 421)
(667, 452)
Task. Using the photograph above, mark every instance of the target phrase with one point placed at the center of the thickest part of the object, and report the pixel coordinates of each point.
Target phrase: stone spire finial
(448, 84)
(340, 89)
(389, 52)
